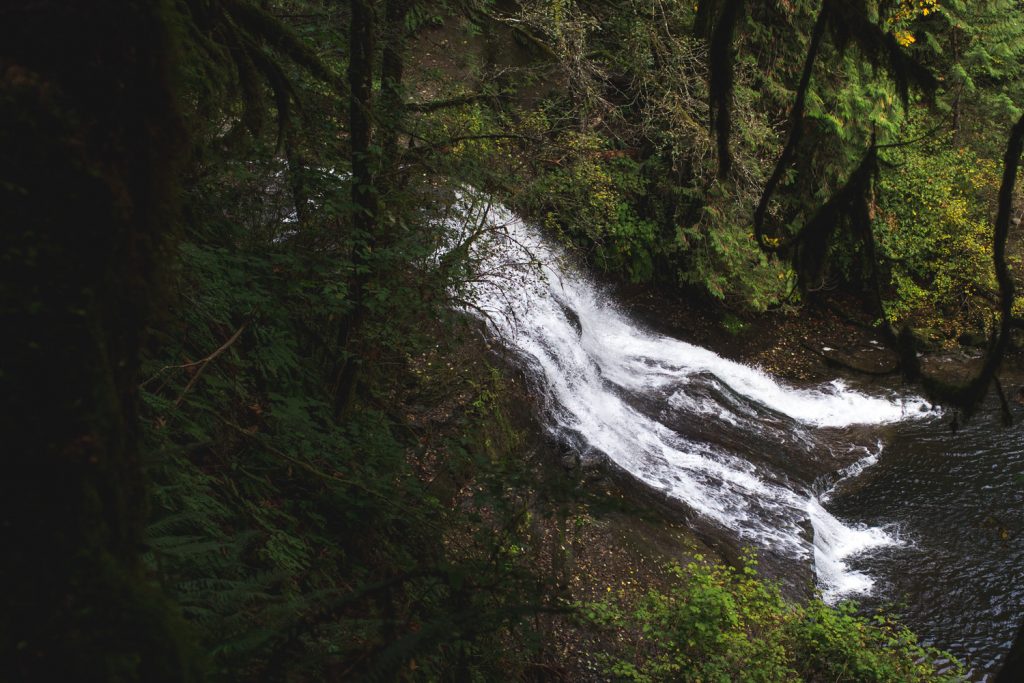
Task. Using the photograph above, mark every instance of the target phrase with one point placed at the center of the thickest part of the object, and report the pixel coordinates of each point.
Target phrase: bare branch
(202, 364)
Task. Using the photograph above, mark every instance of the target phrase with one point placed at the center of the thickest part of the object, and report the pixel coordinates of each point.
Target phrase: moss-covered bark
(89, 143)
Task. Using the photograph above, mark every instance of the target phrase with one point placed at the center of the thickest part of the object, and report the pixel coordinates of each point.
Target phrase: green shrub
(717, 623)
(935, 230)
(589, 199)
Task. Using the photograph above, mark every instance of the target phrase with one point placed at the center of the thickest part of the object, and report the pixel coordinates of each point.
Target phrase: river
(957, 500)
(867, 485)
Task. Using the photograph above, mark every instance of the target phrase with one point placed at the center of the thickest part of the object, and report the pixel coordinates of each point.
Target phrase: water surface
(957, 500)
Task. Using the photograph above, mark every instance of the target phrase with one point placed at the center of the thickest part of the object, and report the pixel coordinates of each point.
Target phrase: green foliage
(717, 623)
(310, 536)
(385, 533)
(300, 546)
(933, 227)
(722, 257)
(635, 185)
(978, 45)
(589, 197)
(291, 542)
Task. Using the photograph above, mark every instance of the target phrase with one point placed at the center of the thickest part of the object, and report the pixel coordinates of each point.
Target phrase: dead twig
(201, 364)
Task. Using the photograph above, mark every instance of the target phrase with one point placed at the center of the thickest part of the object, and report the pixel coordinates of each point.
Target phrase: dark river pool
(956, 501)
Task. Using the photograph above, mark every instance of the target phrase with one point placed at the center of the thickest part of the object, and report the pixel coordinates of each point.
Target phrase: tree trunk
(392, 71)
(364, 191)
(88, 158)
(374, 174)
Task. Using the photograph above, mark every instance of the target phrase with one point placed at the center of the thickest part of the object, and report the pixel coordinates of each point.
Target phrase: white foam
(834, 543)
(853, 470)
(588, 355)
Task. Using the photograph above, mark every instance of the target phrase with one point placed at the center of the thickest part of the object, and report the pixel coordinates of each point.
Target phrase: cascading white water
(644, 401)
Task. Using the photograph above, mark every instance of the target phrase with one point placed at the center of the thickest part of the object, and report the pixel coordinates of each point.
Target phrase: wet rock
(925, 338)
(572, 317)
(974, 339)
(866, 360)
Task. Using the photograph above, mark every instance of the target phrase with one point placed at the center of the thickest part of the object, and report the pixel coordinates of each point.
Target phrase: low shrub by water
(718, 623)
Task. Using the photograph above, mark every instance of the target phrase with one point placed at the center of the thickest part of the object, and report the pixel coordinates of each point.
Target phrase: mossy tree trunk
(375, 156)
(364, 191)
(89, 148)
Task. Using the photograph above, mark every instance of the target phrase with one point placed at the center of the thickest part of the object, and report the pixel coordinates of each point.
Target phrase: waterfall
(710, 433)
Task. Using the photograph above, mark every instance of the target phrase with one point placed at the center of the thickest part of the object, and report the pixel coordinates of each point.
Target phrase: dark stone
(973, 339)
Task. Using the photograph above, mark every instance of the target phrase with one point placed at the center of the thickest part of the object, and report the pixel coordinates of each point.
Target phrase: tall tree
(90, 145)
(374, 128)
(365, 200)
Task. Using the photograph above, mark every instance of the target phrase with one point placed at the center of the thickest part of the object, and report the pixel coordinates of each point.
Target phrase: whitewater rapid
(650, 403)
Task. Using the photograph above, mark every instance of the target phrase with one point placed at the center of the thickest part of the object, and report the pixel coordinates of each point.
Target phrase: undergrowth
(719, 623)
